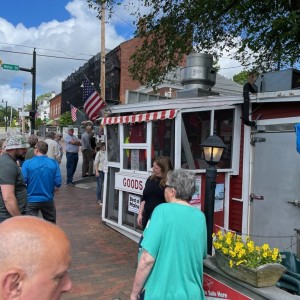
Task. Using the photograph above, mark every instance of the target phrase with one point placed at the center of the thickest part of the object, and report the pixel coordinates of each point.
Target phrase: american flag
(73, 112)
(92, 102)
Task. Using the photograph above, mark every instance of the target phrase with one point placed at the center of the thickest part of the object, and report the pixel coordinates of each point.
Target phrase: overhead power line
(53, 56)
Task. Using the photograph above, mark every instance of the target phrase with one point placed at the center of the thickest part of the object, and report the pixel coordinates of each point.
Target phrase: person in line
(153, 193)
(57, 138)
(43, 178)
(2, 146)
(53, 148)
(13, 193)
(87, 153)
(99, 167)
(72, 144)
(32, 140)
(35, 257)
(174, 246)
(93, 141)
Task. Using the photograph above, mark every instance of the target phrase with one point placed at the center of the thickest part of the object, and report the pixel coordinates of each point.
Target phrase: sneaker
(100, 202)
(70, 184)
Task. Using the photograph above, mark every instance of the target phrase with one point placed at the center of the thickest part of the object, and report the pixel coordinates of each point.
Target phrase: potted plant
(257, 265)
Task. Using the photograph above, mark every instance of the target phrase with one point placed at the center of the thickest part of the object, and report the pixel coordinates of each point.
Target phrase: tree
(265, 34)
(241, 77)
(65, 119)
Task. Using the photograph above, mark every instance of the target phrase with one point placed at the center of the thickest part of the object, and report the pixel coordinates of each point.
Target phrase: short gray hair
(183, 181)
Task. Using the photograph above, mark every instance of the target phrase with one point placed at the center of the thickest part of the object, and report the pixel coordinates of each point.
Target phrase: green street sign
(10, 67)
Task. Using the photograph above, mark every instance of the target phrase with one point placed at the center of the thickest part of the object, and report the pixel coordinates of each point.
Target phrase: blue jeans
(100, 180)
(72, 161)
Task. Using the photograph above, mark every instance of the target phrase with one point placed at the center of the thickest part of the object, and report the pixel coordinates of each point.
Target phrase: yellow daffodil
(244, 252)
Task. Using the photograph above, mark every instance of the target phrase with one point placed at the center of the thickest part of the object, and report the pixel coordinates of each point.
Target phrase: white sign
(134, 203)
(135, 159)
(130, 183)
(24, 114)
(196, 198)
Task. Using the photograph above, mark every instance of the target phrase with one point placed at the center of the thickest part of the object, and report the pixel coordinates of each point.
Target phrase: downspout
(246, 180)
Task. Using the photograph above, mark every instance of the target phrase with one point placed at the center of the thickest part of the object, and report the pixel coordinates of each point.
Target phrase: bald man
(34, 260)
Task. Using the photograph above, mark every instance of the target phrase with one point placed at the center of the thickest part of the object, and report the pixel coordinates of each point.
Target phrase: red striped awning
(138, 118)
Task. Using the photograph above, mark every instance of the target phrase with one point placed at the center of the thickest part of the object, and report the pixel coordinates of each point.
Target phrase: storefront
(174, 128)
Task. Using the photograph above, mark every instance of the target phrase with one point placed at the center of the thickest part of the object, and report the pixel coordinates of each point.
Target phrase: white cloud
(78, 37)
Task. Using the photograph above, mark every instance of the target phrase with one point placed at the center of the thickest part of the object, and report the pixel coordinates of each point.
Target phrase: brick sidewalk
(104, 261)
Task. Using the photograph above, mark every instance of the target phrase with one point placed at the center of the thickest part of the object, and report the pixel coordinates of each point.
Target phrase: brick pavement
(104, 261)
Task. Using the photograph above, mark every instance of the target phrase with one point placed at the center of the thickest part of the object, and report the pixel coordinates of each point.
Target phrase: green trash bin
(290, 280)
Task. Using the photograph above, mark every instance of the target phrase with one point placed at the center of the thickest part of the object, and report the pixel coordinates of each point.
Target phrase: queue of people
(167, 218)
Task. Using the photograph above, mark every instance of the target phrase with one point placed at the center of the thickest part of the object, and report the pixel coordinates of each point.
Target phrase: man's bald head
(28, 247)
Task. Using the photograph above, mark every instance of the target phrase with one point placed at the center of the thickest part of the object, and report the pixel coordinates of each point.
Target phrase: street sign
(10, 67)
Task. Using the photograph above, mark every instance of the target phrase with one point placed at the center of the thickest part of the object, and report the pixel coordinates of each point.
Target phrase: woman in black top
(153, 193)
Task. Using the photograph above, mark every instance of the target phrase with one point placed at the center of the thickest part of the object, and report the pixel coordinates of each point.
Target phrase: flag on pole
(73, 112)
(92, 102)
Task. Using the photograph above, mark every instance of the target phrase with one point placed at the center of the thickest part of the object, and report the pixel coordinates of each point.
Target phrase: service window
(197, 126)
(113, 144)
(135, 153)
(112, 197)
(162, 139)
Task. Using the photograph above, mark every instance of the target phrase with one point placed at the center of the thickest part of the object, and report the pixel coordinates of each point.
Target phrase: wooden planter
(262, 276)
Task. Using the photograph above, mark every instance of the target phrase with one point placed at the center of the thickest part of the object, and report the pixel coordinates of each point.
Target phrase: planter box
(262, 276)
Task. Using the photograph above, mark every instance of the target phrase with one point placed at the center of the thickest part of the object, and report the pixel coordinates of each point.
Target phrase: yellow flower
(244, 252)
(265, 247)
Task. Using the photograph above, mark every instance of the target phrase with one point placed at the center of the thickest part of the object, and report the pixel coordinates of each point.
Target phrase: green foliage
(265, 34)
(65, 119)
(241, 77)
(38, 122)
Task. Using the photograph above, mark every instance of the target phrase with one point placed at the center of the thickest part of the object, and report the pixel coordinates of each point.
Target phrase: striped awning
(138, 118)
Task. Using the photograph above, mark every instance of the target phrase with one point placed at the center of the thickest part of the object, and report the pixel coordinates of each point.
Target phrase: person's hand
(140, 219)
(134, 297)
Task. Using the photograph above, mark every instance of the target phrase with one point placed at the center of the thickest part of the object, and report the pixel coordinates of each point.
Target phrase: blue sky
(66, 29)
(33, 12)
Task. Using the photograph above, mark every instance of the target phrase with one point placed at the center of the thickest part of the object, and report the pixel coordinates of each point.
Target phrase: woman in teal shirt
(174, 246)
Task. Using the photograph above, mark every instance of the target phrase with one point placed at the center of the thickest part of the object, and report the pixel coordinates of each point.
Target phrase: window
(113, 145)
(197, 126)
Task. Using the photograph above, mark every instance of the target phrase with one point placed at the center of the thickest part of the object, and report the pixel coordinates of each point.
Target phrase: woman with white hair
(174, 246)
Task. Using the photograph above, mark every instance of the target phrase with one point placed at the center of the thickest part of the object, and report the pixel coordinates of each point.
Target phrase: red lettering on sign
(133, 183)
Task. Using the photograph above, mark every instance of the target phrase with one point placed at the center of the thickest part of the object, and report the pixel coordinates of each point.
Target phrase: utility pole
(33, 73)
(23, 117)
(102, 74)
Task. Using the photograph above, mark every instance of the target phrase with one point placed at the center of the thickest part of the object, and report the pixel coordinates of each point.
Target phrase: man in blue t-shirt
(42, 176)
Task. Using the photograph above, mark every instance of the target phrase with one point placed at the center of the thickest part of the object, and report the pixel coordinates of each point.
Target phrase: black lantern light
(213, 148)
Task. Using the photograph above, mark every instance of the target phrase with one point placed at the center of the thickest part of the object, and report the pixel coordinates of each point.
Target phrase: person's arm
(57, 177)
(9, 199)
(97, 160)
(141, 210)
(57, 152)
(144, 267)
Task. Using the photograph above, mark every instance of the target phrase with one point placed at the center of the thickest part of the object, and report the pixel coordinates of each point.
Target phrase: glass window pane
(135, 133)
(163, 139)
(135, 159)
(112, 197)
(113, 144)
(224, 120)
(195, 129)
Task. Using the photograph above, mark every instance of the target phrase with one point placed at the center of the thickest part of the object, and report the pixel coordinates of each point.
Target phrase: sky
(65, 34)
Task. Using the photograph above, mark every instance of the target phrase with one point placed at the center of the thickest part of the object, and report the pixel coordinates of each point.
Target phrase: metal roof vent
(198, 77)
